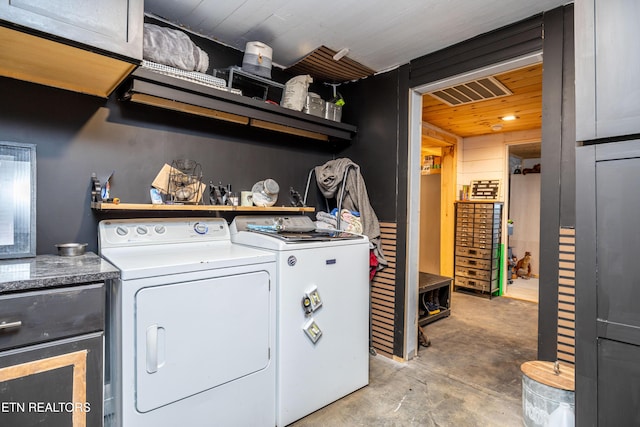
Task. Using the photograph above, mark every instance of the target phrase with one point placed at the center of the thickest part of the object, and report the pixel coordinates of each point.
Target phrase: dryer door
(193, 336)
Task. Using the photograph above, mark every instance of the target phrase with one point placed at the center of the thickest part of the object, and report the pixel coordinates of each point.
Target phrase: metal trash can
(548, 394)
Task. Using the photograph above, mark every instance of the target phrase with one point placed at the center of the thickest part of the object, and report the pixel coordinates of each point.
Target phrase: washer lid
(311, 236)
(152, 261)
(270, 241)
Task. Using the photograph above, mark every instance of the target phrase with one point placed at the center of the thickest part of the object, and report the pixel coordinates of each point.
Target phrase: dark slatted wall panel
(487, 49)
(383, 294)
(566, 295)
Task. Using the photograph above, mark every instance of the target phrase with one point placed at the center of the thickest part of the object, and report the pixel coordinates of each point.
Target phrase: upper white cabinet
(607, 61)
(110, 25)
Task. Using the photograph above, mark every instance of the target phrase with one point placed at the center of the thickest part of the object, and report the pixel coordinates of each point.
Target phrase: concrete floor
(469, 376)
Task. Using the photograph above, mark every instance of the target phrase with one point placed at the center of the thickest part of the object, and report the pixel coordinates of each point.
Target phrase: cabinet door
(618, 376)
(53, 384)
(607, 286)
(607, 63)
(111, 25)
(617, 245)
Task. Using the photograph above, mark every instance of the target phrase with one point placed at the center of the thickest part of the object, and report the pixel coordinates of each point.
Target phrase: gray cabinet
(110, 25)
(608, 288)
(607, 60)
(51, 356)
(477, 247)
(618, 376)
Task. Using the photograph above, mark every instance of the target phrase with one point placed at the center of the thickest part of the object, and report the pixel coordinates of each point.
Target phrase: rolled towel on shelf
(173, 48)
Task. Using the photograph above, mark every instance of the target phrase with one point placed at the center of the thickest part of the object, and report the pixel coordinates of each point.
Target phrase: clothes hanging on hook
(353, 196)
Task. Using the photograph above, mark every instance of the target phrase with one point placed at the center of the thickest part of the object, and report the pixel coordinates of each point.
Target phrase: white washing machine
(191, 334)
(323, 310)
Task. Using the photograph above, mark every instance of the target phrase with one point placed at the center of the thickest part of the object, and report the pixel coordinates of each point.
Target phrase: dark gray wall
(379, 103)
(76, 135)
(374, 101)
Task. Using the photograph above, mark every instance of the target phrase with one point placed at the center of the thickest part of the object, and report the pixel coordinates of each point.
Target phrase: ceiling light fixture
(496, 127)
(338, 56)
(509, 118)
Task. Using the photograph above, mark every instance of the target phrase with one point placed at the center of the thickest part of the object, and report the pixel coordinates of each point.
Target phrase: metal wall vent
(473, 91)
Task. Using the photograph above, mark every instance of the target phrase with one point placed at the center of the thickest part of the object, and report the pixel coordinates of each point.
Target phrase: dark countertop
(46, 271)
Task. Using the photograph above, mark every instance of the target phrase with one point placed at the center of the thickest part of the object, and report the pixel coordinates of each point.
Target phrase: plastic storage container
(257, 59)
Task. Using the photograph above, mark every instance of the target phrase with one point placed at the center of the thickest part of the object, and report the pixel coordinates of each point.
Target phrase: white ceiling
(380, 34)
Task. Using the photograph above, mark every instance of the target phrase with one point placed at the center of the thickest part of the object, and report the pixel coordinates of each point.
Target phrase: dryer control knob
(160, 229)
(122, 231)
(200, 228)
(141, 230)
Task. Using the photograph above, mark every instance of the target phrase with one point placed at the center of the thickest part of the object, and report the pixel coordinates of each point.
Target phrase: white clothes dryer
(191, 334)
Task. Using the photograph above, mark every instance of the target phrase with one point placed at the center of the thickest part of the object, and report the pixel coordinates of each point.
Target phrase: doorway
(522, 207)
(463, 162)
(522, 211)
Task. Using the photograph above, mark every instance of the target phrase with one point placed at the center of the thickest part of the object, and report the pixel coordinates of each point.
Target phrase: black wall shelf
(152, 88)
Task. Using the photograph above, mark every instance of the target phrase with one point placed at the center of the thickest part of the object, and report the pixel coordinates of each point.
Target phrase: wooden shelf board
(206, 208)
(431, 171)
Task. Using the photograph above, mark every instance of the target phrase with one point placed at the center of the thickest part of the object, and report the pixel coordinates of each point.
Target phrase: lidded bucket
(257, 59)
(548, 398)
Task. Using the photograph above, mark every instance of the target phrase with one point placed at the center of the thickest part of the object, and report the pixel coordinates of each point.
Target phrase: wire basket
(185, 182)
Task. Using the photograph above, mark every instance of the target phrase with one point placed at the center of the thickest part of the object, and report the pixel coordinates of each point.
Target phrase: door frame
(413, 187)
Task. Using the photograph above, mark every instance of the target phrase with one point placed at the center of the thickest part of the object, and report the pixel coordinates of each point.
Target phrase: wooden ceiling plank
(478, 117)
(514, 100)
(488, 107)
(490, 115)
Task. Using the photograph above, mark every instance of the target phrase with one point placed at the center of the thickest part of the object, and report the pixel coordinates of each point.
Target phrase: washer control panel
(151, 231)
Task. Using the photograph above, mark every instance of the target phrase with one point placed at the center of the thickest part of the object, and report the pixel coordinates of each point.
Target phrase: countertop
(45, 271)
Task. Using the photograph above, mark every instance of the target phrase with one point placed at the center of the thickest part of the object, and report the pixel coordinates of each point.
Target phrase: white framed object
(18, 196)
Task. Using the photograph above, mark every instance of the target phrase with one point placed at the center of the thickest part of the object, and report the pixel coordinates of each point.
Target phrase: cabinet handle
(9, 325)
